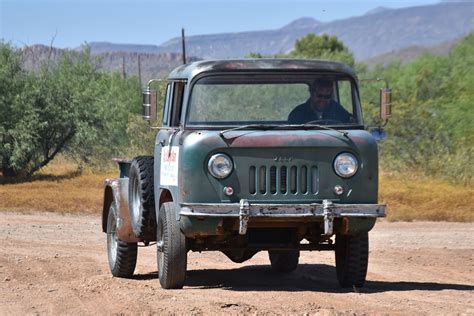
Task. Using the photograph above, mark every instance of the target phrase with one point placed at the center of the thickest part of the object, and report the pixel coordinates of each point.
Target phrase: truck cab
(251, 155)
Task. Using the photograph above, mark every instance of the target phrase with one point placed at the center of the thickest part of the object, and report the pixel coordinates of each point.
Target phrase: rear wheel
(284, 261)
(142, 198)
(352, 258)
(122, 255)
(171, 249)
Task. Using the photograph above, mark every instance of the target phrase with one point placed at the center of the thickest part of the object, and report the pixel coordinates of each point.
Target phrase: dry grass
(412, 197)
(61, 188)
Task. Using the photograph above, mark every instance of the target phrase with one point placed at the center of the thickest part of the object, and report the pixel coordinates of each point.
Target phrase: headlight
(220, 166)
(345, 165)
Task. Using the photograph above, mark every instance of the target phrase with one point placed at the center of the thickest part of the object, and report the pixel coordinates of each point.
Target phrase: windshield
(273, 100)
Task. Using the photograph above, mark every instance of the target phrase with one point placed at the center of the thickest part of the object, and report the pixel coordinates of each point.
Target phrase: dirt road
(55, 264)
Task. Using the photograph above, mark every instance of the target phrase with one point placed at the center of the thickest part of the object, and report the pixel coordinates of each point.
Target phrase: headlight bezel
(337, 163)
(211, 163)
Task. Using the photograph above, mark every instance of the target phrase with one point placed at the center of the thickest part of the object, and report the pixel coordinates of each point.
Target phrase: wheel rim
(112, 240)
(136, 205)
(160, 247)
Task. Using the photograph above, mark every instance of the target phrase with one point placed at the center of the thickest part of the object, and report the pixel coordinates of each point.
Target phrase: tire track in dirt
(56, 264)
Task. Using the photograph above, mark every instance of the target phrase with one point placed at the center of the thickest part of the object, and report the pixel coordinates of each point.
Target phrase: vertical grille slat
(273, 180)
(283, 180)
(252, 180)
(293, 187)
(303, 180)
(314, 180)
(262, 180)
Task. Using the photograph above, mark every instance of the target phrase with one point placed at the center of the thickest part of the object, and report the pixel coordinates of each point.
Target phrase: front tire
(171, 249)
(284, 261)
(352, 258)
(122, 255)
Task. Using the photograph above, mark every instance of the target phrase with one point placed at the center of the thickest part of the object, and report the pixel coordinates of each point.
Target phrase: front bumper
(327, 210)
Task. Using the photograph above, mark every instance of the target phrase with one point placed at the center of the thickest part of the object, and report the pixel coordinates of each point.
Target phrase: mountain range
(379, 31)
(381, 36)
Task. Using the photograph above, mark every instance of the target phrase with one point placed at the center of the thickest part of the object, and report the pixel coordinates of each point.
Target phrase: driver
(320, 106)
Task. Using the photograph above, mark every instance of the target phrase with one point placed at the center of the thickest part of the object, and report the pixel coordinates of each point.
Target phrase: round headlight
(345, 165)
(220, 165)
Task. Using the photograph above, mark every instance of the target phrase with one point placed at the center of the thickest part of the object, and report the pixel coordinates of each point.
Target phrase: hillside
(152, 65)
(377, 32)
(409, 54)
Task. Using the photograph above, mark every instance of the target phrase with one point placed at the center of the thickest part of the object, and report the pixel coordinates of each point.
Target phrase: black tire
(352, 259)
(171, 249)
(284, 261)
(141, 198)
(122, 255)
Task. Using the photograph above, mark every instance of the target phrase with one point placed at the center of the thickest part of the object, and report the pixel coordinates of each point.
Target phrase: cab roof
(191, 70)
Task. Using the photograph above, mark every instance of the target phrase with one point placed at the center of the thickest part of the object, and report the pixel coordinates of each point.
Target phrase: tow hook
(328, 212)
(244, 216)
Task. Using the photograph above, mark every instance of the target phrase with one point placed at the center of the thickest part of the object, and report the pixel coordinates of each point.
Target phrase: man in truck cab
(320, 107)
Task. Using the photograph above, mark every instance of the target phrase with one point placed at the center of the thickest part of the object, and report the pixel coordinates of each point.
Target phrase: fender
(165, 195)
(116, 191)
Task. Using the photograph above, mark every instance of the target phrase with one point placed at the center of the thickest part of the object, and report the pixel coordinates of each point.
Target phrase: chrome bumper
(326, 210)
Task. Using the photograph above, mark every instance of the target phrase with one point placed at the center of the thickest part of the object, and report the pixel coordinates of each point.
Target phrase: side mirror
(378, 133)
(385, 103)
(149, 105)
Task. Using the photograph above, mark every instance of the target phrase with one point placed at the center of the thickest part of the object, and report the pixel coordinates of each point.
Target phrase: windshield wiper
(256, 126)
(308, 125)
(271, 126)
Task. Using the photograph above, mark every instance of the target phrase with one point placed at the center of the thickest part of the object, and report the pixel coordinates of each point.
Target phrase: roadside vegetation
(62, 188)
(61, 125)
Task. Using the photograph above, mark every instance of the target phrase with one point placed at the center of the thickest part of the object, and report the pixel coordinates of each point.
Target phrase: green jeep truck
(232, 173)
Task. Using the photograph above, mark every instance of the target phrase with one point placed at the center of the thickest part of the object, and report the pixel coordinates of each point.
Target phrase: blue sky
(73, 22)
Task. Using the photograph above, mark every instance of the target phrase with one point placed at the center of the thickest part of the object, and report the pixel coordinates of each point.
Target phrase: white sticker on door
(169, 165)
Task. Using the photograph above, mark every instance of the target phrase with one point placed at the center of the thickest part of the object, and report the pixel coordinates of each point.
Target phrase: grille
(283, 180)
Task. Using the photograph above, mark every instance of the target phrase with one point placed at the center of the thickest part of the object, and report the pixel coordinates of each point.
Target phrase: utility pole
(123, 68)
(139, 71)
(184, 45)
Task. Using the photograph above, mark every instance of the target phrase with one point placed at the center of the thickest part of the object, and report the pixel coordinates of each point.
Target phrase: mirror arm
(150, 103)
(153, 80)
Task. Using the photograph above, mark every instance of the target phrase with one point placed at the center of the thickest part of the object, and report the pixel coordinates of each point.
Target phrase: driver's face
(320, 97)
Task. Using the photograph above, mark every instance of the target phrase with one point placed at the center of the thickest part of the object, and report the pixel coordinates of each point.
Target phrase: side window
(345, 94)
(177, 102)
(166, 106)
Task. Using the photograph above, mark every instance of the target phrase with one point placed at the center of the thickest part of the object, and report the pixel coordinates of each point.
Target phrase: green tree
(13, 81)
(313, 46)
(322, 47)
(432, 127)
(45, 111)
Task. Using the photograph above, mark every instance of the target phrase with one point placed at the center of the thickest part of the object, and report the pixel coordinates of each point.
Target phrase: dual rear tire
(122, 255)
(284, 261)
(352, 257)
(171, 249)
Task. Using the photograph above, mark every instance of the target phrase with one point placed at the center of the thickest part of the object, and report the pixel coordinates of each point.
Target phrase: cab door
(167, 144)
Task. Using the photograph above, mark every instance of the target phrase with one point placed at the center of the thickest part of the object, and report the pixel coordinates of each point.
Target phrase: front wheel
(171, 249)
(352, 258)
(122, 255)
